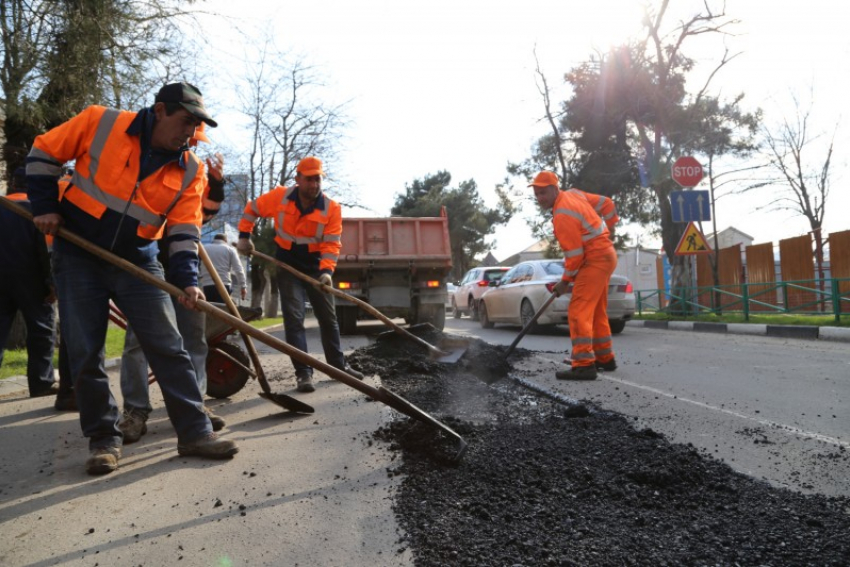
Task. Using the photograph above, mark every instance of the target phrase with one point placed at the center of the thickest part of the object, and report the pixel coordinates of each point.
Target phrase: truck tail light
(432, 283)
(348, 285)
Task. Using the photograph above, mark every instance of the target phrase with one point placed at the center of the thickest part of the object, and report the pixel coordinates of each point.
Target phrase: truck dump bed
(395, 241)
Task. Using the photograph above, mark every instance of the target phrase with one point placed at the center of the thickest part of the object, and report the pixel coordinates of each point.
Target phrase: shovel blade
(287, 402)
(449, 352)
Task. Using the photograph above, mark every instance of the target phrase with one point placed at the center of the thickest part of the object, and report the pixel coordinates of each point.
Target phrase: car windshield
(553, 268)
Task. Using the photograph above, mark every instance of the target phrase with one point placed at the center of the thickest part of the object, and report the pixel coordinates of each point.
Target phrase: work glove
(326, 279)
(561, 288)
(245, 246)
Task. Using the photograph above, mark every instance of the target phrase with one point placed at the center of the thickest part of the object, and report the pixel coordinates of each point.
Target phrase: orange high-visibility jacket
(604, 207)
(106, 176)
(320, 230)
(579, 229)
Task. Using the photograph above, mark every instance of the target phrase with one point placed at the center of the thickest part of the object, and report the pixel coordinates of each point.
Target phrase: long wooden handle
(530, 324)
(359, 302)
(231, 306)
(391, 400)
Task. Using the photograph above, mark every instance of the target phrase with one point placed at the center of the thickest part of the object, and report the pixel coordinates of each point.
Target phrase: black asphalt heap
(545, 483)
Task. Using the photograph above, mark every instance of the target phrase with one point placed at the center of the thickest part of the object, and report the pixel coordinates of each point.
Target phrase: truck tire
(347, 319)
(434, 314)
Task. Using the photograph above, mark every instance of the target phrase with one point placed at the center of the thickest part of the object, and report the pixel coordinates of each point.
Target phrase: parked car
(472, 287)
(450, 293)
(527, 286)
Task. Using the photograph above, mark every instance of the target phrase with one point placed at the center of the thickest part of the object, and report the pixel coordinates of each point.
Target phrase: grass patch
(15, 361)
(763, 319)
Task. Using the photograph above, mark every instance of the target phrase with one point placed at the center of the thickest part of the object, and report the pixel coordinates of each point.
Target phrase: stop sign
(687, 171)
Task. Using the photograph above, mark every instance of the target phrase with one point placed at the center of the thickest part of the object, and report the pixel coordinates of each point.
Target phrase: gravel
(547, 482)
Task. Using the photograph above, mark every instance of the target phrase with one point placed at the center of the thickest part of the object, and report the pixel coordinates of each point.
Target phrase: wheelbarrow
(228, 365)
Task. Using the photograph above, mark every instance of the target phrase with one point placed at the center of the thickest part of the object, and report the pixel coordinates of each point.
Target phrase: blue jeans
(26, 292)
(84, 285)
(191, 325)
(293, 294)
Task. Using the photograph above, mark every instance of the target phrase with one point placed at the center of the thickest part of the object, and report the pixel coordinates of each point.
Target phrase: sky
(451, 85)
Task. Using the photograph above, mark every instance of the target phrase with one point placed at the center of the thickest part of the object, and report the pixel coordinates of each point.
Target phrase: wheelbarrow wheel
(224, 376)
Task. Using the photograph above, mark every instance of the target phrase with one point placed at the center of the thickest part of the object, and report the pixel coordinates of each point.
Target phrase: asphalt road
(770, 407)
(315, 489)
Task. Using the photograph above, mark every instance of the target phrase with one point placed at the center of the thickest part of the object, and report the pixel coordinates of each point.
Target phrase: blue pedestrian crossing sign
(690, 206)
(692, 242)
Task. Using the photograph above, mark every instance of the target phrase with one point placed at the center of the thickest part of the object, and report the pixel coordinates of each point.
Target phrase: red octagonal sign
(687, 171)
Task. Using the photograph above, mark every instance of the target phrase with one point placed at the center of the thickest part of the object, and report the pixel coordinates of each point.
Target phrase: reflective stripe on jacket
(604, 207)
(579, 230)
(320, 230)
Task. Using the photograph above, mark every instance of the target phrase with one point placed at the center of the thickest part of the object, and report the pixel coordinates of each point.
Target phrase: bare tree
(802, 167)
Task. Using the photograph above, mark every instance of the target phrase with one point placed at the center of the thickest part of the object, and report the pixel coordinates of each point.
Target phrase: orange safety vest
(320, 230)
(579, 230)
(106, 174)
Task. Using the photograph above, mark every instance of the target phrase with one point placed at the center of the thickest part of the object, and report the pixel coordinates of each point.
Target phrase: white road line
(767, 423)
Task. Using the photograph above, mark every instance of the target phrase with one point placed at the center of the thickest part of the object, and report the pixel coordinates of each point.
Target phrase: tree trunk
(680, 273)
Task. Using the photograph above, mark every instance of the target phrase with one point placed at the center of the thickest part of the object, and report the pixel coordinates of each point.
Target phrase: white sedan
(526, 287)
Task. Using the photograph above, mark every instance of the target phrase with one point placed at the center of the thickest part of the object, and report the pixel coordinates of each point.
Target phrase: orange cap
(310, 166)
(544, 179)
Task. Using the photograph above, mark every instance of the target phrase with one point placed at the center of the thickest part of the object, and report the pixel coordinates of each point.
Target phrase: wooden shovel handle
(359, 302)
(231, 306)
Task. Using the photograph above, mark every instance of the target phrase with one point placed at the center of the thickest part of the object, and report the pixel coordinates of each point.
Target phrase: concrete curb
(780, 331)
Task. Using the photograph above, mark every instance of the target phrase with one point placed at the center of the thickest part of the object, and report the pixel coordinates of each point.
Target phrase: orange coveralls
(589, 261)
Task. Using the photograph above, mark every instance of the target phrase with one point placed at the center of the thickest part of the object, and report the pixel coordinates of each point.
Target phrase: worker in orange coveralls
(589, 261)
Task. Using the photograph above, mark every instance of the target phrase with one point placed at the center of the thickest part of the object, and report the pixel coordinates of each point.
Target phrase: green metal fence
(803, 297)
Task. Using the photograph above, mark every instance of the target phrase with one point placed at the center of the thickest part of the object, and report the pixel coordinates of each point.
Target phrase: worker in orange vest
(589, 261)
(135, 181)
(308, 234)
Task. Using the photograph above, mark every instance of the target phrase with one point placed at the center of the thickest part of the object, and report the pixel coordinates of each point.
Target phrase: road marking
(767, 423)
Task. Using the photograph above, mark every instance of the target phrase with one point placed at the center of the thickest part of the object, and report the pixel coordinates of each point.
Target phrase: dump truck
(399, 265)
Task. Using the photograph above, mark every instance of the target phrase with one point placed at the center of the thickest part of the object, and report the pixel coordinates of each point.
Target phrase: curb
(781, 331)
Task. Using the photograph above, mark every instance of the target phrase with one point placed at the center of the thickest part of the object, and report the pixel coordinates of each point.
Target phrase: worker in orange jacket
(589, 261)
(135, 181)
(308, 234)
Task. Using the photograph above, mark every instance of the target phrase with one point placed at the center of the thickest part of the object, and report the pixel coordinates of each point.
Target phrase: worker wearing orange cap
(308, 234)
(589, 261)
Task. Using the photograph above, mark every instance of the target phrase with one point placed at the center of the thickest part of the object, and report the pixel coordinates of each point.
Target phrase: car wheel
(473, 308)
(526, 314)
(617, 326)
(483, 318)
(455, 311)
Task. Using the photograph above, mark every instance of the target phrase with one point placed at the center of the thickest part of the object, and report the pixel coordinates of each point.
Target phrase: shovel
(379, 394)
(530, 324)
(458, 348)
(282, 400)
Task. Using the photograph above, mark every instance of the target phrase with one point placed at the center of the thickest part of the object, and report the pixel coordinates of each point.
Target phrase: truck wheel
(347, 319)
(439, 318)
(473, 308)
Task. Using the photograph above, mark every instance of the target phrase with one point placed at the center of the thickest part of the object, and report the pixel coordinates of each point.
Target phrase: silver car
(526, 287)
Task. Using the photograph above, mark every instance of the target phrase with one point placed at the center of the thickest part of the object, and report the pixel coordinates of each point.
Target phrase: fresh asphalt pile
(549, 483)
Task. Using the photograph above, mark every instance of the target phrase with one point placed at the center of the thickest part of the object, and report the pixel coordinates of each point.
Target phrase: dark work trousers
(212, 295)
(19, 291)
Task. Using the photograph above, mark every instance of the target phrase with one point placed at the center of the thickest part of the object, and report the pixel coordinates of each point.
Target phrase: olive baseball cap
(189, 98)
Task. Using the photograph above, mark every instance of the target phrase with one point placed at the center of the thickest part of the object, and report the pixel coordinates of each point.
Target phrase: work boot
(65, 402)
(610, 366)
(217, 422)
(133, 425)
(103, 460)
(211, 446)
(304, 384)
(577, 373)
(51, 390)
(355, 373)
